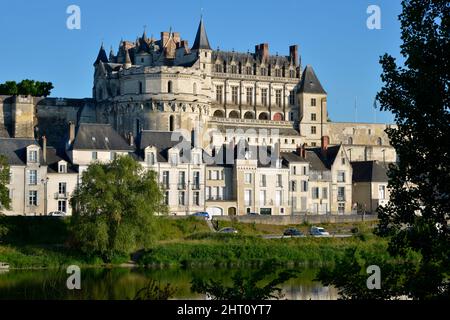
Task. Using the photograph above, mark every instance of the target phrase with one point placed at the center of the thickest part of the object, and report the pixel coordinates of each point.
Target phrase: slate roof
(310, 83)
(291, 157)
(14, 149)
(369, 171)
(94, 136)
(328, 158)
(201, 39)
(315, 162)
(101, 56)
(162, 140)
(56, 155)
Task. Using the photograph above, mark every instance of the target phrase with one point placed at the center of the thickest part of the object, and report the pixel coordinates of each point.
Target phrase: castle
(151, 89)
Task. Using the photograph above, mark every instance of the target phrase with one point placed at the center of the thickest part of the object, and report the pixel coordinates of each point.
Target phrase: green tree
(113, 208)
(26, 87)
(417, 94)
(8, 88)
(254, 286)
(5, 201)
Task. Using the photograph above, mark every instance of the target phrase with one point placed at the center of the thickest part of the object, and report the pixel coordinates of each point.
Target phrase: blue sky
(332, 37)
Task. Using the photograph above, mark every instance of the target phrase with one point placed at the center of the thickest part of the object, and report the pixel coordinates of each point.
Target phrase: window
(305, 170)
(263, 71)
(342, 160)
(94, 155)
(315, 193)
(293, 186)
(196, 199)
(174, 159)
(62, 168)
(208, 193)
(263, 180)
(234, 69)
(381, 192)
(294, 170)
(197, 159)
(262, 198)
(166, 197)
(62, 188)
(278, 196)
(249, 96)
(264, 97)
(341, 176)
(181, 179)
(166, 179)
(32, 198)
(313, 144)
(32, 156)
(32, 177)
(181, 198)
(277, 73)
(278, 97)
(292, 97)
(292, 73)
(279, 180)
(219, 90)
(341, 207)
(248, 197)
(248, 70)
(313, 130)
(313, 102)
(313, 117)
(214, 175)
(218, 68)
(379, 141)
(140, 87)
(324, 193)
(248, 178)
(350, 140)
(62, 206)
(150, 158)
(341, 194)
(196, 180)
(234, 95)
(194, 88)
(169, 87)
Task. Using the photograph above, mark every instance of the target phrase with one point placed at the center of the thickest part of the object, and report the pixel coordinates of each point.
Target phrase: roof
(161, 140)
(327, 158)
(369, 171)
(94, 136)
(101, 56)
(201, 39)
(56, 155)
(310, 83)
(291, 157)
(14, 149)
(315, 162)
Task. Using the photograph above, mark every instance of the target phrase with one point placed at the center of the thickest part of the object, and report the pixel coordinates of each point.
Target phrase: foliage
(255, 286)
(418, 95)
(26, 87)
(154, 291)
(5, 201)
(114, 207)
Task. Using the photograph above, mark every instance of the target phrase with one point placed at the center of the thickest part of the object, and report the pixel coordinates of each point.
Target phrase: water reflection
(119, 283)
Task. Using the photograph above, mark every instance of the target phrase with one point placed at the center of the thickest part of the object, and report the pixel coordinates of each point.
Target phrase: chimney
(293, 54)
(176, 37)
(44, 148)
(325, 140)
(262, 50)
(130, 139)
(164, 38)
(303, 151)
(71, 132)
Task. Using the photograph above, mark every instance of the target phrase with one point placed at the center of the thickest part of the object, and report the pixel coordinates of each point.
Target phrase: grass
(41, 242)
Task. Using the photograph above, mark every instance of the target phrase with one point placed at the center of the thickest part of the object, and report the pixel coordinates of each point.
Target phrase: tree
(26, 87)
(247, 287)
(113, 208)
(417, 94)
(5, 201)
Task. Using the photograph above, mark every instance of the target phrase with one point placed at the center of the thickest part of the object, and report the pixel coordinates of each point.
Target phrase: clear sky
(332, 36)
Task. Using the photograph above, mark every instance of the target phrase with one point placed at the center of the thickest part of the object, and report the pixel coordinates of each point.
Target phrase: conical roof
(201, 39)
(310, 83)
(101, 56)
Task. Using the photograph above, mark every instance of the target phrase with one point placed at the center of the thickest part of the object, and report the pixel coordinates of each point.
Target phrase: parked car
(253, 214)
(228, 230)
(57, 214)
(318, 231)
(202, 214)
(293, 232)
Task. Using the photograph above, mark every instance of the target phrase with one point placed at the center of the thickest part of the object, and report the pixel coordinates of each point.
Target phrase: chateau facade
(152, 89)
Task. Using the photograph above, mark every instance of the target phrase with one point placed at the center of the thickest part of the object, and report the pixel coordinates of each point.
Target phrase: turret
(101, 56)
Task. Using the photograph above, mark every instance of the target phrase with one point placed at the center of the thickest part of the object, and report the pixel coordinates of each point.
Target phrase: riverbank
(186, 243)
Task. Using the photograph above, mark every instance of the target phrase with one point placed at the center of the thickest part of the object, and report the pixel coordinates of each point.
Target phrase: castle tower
(312, 100)
(23, 117)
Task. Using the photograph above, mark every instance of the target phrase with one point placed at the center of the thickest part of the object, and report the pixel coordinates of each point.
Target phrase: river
(124, 283)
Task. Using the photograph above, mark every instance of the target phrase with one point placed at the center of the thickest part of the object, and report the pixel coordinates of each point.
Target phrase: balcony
(340, 198)
(60, 195)
(165, 185)
(181, 186)
(196, 186)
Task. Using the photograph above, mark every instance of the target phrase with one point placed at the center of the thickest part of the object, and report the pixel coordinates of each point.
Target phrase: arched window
(379, 141)
(233, 114)
(194, 88)
(171, 123)
(263, 116)
(350, 140)
(169, 87)
(218, 114)
(248, 115)
(278, 117)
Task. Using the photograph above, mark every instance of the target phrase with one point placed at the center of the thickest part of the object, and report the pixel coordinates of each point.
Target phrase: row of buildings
(227, 132)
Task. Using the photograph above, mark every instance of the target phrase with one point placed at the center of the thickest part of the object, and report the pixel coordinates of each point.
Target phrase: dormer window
(62, 168)
(196, 159)
(150, 158)
(174, 159)
(32, 156)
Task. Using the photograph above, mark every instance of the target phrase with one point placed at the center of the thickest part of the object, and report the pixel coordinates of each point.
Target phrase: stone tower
(23, 116)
